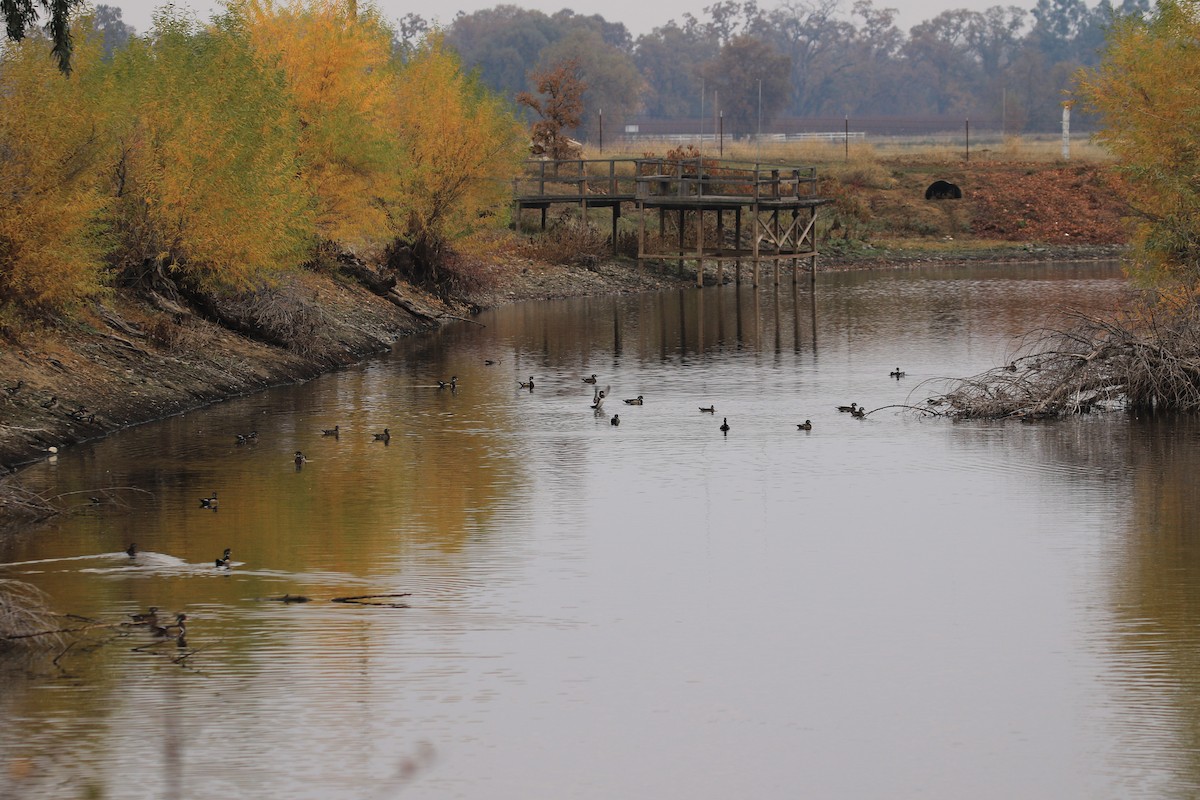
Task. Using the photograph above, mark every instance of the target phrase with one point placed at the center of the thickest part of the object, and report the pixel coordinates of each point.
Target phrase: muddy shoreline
(128, 361)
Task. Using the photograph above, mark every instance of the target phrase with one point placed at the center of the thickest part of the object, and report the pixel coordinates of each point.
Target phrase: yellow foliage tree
(50, 255)
(1147, 92)
(459, 146)
(339, 73)
(205, 173)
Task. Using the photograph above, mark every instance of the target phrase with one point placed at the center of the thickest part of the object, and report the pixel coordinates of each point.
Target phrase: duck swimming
(179, 629)
(806, 425)
(858, 413)
(529, 385)
(300, 459)
(637, 401)
(709, 410)
(725, 425)
(849, 408)
(897, 373)
(209, 502)
(225, 558)
(131, 551)
(591, 379)
(616, 420)
(149, 618)
(334, 431)
(383, 437)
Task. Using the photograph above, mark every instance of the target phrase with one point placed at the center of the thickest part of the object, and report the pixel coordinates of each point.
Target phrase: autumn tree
(204, 176)
(560, 108)
(1147, 92)
(612, 80)
(338, 76)
(457, 145)
(50, 154)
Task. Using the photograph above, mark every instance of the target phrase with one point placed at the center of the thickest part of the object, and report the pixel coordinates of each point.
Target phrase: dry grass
(945, 148)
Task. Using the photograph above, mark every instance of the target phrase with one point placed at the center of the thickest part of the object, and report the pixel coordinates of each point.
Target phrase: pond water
(894, 606)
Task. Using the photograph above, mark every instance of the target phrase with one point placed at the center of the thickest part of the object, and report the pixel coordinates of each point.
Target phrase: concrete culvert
(943, 190)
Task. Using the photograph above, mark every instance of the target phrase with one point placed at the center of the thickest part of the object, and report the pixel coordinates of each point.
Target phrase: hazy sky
(639, 16)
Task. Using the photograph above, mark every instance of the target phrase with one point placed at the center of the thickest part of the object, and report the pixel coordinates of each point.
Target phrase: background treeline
(203, 159)
(814, 58)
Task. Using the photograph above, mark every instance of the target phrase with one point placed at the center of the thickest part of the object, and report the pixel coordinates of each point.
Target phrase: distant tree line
(802, 58)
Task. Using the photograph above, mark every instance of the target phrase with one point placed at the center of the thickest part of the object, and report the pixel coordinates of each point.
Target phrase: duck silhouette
(849, 408)
(209, 502)
(591, 379)
(178, 630)
(637, 401)
(616, 420)
(806, 425)
(451, 384)
(225, 558)
(725, 425)
(897, 373)
(132, 550)
(858, 413)
(334, 431)
(528, 385)
(383, 437)
(300, 459)
(709, 410)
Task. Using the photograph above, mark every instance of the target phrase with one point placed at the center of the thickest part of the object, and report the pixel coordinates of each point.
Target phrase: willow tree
(1147, 93)
(204, 172)
(51, 142)
(459, 145)
(338, 73)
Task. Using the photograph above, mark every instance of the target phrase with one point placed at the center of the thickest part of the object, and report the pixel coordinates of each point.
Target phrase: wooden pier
(773, 208)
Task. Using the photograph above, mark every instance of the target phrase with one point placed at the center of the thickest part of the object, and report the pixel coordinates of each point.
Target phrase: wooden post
(699, 248)
(682, 223)
(737, 235)
(720, 248)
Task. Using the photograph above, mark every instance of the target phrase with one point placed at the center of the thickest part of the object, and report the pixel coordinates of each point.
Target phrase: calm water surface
(891, 607)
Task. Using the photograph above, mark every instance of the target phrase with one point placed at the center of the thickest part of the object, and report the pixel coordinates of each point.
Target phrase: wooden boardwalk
(705, 209)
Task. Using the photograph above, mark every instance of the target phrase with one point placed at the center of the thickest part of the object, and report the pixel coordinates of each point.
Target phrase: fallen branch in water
(363, 599)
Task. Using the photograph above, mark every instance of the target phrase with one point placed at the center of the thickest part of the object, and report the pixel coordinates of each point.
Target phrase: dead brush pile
(25, 617)
(1148, 358)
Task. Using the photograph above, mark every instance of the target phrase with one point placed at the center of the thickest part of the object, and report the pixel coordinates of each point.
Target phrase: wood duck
(490, 362)
(806, 425)
(897, 373)
(725, 425)
(179, 629)
(225, 558)
(451, 384)
(149, 618)
(252, 436)
(383, 437)
(599, 403)
(591, 379)
(331, 431)
(616, 420)
(529, 385)
(709, 410)
(858, 413)
(637, 401)
(300, 459)
(51, 403)
(849, 408)
(131, 551)
(209, 502)
(14, 388)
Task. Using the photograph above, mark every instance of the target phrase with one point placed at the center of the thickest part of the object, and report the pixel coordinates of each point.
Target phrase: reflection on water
(543, 604)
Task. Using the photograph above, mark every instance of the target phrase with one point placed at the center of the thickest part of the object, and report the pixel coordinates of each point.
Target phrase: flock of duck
(176, 630)
(854, 409)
